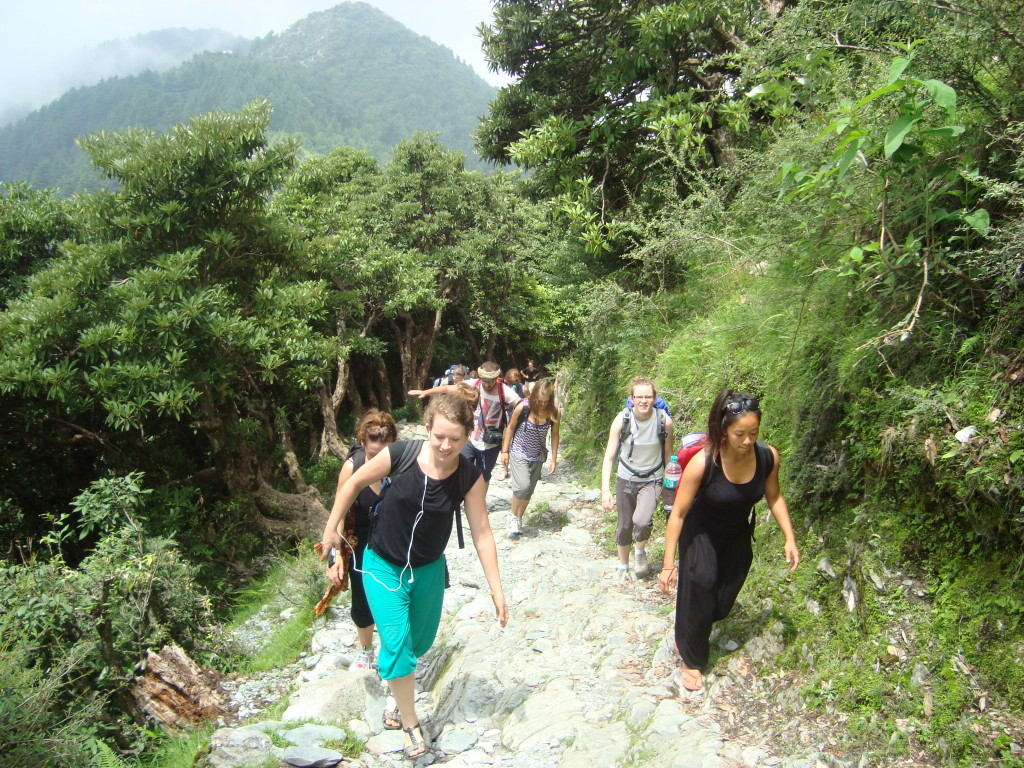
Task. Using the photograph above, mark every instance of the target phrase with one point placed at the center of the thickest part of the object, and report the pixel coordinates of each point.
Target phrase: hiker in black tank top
(405, 587)
(711, 521)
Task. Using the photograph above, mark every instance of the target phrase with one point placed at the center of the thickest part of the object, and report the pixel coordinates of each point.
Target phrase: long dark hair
(728, 406)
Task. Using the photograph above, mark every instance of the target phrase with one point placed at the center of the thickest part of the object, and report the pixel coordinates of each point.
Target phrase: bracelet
(669, 569)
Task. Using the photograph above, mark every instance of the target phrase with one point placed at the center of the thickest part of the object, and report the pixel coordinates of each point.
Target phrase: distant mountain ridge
(348, 75)
(158, 51)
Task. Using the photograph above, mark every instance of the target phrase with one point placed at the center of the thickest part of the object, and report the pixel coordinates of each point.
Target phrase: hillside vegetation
(346, 76)
(818, 202)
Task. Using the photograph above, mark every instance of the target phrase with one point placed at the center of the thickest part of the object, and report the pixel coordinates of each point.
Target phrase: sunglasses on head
(740, 406)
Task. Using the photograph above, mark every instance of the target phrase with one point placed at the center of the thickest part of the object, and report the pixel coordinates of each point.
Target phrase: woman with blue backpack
(639, 447)
(712, 523)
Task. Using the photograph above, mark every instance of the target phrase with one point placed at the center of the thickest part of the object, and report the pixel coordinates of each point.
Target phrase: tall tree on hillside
(605, 89)
(175, 339)
(429, 229)
(333, 198)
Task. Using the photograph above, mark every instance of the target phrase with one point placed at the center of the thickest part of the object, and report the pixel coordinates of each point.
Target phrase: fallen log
(177, 693)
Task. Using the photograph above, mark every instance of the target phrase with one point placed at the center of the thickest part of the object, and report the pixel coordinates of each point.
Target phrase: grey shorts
(525, 475)
(635, 501)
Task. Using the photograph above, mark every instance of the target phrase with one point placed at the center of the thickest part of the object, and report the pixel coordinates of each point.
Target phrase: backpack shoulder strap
(626, 424)
(410, 452)
(466, 481)
(358, 456)
(709, 465)
(662, 431)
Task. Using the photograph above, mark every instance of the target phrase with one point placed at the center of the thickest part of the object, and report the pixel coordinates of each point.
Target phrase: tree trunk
(469, 336)
(240, 466)
(383, 383)
(330, 439)
(292, 516)
(416, 348)
(177, 692)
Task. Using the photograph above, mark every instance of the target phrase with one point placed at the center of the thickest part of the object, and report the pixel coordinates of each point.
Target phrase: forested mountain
(349, 75)
(157, 51)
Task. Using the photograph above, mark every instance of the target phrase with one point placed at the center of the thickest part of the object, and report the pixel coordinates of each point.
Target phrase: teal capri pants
(407, 615)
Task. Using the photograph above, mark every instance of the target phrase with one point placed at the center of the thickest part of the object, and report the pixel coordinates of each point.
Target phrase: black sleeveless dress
(715, 555)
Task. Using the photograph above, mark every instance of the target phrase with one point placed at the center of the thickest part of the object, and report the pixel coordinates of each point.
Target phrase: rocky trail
(583, 676)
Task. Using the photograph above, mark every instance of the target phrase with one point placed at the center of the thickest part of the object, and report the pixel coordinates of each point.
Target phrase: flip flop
(391, 718)
(691, 680)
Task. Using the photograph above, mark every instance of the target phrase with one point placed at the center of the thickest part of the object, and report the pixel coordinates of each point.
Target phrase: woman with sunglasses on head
(375, 432)
(712, 522)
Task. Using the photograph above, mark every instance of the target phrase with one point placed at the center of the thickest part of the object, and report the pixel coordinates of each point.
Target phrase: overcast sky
(35, 34)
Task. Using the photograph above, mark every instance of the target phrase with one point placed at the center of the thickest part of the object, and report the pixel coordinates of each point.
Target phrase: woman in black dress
(712, 522)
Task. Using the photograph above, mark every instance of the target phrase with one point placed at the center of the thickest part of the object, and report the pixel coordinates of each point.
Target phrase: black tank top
(410, 492)
(723, 508)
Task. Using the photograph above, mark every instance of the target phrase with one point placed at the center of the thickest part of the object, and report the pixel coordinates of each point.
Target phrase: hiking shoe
(360, 661)
(514, 528)
(622, 573)
(640, 564)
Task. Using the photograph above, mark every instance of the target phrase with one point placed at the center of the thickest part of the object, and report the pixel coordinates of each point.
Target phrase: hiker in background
(712, 520)
(375, 432)
(530, 375)
(639, 447)
(490, 418)
(404, 564)
(525, 448)
(512, 378)
(453, 375)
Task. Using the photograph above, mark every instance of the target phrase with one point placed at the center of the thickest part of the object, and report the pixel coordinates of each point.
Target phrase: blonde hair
(640, 381)
(512, 375)
(458, 406)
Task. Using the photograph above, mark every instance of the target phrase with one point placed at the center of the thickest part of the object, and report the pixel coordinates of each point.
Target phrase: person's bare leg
(519, 507)
(365, 637)
(404, 691)
(623, 555)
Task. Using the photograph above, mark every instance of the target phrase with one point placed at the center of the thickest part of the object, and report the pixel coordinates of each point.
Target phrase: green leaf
(945, 132)
(898, 132)
(880, 92)
(944, 96)
(848, 157)
(899, 64)
(978, 221)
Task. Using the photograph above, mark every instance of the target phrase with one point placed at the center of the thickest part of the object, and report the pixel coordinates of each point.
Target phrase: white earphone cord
(408, 552)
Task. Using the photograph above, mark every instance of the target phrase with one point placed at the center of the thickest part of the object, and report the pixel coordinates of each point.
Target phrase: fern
(105, 757)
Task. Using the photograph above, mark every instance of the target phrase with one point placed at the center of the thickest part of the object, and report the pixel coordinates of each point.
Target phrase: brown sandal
(418, 745)
(391, 718)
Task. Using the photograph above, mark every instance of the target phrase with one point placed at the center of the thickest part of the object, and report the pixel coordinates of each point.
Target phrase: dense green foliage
(819, 203)
(350, 75)
(856, 262)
